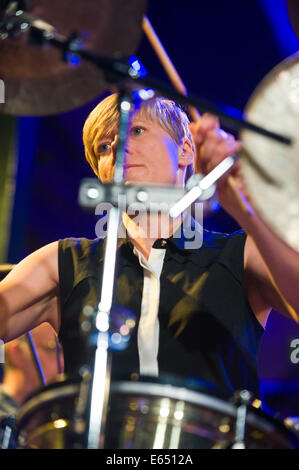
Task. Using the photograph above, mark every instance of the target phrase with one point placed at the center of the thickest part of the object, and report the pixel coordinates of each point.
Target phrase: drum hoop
(45, 396)
(174, 393)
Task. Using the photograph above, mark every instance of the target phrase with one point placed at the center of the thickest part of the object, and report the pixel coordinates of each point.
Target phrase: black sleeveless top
(208, 332)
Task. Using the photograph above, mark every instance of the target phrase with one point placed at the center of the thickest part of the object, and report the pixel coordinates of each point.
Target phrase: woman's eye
(137, 130)
(104, 147)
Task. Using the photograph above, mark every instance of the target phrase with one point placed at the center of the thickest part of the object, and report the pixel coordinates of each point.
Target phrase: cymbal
(272, 170)
(293, 11)
(38, 82)
(4, 270)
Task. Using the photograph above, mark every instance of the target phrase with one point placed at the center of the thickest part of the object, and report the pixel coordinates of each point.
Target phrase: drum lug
(242, 399)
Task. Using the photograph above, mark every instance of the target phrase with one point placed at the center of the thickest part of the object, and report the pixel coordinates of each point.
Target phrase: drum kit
(93, 411)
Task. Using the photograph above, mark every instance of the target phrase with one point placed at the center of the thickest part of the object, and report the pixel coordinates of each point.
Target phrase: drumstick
(180, 86)
(37, 363)
(167, 63)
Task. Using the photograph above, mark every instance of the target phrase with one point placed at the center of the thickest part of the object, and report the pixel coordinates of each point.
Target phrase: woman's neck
(144, 229)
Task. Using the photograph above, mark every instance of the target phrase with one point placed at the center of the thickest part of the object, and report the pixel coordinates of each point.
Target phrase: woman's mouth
(132, 165)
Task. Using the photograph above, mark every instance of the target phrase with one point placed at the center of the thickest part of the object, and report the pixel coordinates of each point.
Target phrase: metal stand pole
(101, 373)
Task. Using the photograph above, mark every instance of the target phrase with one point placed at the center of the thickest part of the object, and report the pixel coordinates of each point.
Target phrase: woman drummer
(200, 312)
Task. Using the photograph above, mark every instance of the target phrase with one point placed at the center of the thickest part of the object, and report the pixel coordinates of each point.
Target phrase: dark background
(222, 49)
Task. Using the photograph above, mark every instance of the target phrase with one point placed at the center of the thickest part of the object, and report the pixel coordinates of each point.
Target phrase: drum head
(271, 169)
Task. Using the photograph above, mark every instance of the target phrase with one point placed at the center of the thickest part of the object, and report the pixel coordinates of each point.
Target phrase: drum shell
(152, 415)
(146, 415)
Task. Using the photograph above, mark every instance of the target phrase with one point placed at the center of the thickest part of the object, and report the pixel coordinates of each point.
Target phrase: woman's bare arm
(29, 294)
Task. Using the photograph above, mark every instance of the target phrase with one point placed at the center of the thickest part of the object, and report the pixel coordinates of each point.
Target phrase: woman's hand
(212, 146)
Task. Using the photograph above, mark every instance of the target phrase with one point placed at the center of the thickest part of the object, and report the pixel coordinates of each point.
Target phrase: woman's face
(151, 155)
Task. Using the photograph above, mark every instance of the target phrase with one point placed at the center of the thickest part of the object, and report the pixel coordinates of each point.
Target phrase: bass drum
(148, 415)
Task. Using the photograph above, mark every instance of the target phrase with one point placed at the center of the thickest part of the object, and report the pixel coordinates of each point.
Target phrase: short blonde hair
(105, 117)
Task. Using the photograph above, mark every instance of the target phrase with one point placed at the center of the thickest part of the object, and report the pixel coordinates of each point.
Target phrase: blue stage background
(222, 49)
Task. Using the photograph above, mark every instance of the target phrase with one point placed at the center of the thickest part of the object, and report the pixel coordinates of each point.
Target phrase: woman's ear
(186, 154)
